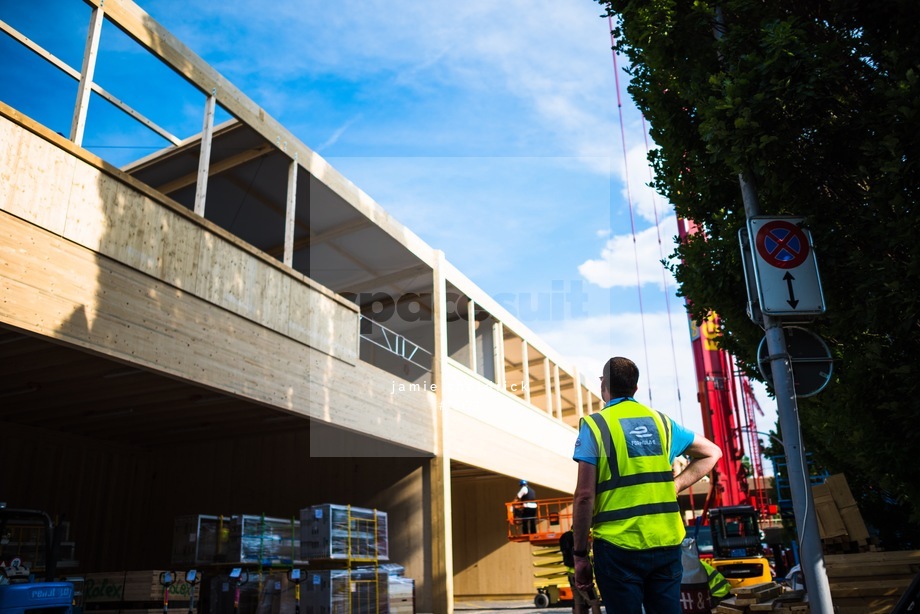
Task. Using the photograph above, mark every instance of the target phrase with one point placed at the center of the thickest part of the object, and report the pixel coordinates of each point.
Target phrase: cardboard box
(830, 524)
(856, 527)
(840, 490)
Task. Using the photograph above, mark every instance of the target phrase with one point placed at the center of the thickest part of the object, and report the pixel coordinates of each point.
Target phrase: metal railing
(395, 343)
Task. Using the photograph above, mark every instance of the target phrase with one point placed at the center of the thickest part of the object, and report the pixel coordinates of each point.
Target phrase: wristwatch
(581, 553)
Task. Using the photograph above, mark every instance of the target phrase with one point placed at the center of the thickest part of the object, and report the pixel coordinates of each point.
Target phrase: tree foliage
(818, 102)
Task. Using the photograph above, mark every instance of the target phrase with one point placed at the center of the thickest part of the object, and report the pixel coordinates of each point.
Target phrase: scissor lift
(554, 517)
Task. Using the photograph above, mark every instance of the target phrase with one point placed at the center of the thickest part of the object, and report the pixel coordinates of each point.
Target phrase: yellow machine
(736, 546)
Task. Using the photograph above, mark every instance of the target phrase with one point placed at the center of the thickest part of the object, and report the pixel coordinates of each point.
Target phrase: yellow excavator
(737, 548)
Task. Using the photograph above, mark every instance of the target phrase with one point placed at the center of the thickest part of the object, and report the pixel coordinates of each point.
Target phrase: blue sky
(490, 129)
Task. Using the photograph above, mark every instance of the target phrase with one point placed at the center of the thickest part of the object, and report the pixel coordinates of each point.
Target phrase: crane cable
(664, 279)
(616, 76)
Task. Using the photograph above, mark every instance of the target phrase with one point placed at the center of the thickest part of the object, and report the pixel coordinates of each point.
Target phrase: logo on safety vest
(642, 438)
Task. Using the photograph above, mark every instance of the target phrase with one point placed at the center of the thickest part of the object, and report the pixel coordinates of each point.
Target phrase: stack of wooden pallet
(870, 582)
(840, 524)
(137, 592)
(766, 597)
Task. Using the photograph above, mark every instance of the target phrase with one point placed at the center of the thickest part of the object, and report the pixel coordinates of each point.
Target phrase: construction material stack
(764, 597)
(138, 591)
(840, 524)
(863, 579)
(870, 582)
(330, 559)
(260, 540)
(350, 542)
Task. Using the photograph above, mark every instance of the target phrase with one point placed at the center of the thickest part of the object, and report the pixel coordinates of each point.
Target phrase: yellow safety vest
(635, 503)
(718, 585)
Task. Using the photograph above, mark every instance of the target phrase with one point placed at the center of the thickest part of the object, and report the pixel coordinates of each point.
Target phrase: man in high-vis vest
(719, 588)
(626, 497)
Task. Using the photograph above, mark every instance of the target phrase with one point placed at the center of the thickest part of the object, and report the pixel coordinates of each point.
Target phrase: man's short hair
(622, 376)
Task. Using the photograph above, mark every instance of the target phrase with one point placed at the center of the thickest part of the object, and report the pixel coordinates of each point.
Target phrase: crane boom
(718, 400)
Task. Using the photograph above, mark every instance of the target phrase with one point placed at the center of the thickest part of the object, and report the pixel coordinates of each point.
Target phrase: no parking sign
(785, 269)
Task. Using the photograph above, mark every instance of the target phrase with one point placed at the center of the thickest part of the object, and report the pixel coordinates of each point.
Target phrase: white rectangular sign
(785, 269)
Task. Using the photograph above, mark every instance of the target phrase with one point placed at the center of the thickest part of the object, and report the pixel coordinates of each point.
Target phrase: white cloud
(666, 368)
(543, 66)
(335, 136)
(616, 266)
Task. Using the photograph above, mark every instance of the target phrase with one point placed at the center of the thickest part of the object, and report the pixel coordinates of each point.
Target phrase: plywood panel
(107, 213)
(485, 562)
(488, 428)
(112, 218)
(361, 400)
(34, 178)
(57, 289)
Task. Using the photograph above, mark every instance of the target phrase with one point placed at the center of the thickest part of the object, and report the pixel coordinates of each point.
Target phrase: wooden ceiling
(51, 386)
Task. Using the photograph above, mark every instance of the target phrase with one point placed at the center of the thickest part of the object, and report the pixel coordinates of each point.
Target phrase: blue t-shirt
(586, 448)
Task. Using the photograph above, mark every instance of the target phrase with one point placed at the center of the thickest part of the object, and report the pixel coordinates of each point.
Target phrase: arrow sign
(789, 279)
(785, 272)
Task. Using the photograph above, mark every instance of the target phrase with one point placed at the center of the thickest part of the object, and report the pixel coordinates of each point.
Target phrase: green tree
(818, 101)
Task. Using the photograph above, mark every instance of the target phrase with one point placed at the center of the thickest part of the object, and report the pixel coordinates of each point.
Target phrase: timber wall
(98, 260)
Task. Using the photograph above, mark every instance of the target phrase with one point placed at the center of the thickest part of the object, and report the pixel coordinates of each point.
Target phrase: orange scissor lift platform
(554, 517)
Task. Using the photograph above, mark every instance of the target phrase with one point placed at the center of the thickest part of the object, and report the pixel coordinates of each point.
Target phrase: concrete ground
(507, 607)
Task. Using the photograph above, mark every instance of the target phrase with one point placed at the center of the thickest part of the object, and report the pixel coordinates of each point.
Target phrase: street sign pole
(806, 520)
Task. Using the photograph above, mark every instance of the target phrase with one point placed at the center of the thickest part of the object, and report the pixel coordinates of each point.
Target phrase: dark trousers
(633, 578)
(528, 520)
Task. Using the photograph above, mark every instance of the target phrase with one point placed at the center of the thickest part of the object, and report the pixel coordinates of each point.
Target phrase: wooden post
(438, 474)
(471, 328)
(498, 352)
(547, 386)
(204, 158)
(579, 397)
(558, 404)
(525, 366)
(81, 107)
(290, 212)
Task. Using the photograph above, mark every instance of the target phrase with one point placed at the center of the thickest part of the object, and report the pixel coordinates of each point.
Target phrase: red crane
(718, 397)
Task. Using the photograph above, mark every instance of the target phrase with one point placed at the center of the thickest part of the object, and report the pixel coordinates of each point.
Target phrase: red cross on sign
(782, 244)
(785, 272)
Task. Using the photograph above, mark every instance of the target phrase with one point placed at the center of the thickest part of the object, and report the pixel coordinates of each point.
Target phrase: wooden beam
(498, 353)
(39, 50)
(579, 398)
(76, 76)
(204, 158)
(84, 88)
(526, 364)
(471, 332)
(337, 231)
(216, 168)
(137, 24)
(176, 141)
(316, 238)
(558, 391)
(290, 218)
(439, 517)
(380, 281)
